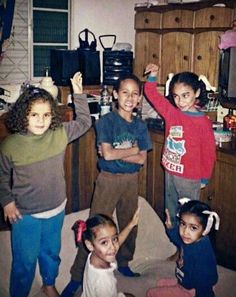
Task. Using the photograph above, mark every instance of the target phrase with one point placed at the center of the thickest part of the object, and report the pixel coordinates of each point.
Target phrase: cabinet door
(214, 17)
(147, 20)
(206, 55)
(155, 175)
(147, 50)
(177, 19)
(224, 203)
(175, 54)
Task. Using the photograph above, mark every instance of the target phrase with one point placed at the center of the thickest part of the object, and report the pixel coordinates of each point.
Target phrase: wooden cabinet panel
(155, 175)
(147, 20)
(147, 46)
(224, 202)
(206, 55)
(213, 17)
(177, 19)
(176, 53)
(87, 173)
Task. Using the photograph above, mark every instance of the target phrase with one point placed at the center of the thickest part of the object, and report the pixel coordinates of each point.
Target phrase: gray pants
(176, 188)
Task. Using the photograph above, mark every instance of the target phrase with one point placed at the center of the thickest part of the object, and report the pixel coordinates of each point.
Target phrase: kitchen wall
(103, 17)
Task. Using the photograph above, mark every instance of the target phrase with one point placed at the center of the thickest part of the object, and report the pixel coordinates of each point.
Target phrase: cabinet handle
(199, 57)
(154, 56)
(146, 21)
(212, 17)
(177, 19)
(186, 58)
(210, 197)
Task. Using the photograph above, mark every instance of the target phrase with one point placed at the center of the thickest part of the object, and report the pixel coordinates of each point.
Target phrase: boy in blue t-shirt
(123, 141)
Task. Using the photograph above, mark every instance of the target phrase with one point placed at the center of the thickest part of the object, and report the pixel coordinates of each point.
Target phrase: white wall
(104, 17)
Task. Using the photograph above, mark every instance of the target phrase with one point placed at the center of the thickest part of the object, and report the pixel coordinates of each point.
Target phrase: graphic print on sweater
(174, 150)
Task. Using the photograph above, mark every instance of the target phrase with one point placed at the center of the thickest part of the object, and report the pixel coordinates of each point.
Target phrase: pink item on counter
(228, 38)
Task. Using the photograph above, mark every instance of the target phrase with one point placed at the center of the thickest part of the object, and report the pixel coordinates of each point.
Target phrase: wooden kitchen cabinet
(149, 49)
(187, 37)
(221, 196)
(176, 53)
(176, 19)
(148, 20)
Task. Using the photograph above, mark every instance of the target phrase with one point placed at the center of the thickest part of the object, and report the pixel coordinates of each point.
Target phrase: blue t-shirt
(113, 129)
(196, 267)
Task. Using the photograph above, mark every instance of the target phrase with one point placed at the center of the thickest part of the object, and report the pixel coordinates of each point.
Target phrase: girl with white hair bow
(196, 269)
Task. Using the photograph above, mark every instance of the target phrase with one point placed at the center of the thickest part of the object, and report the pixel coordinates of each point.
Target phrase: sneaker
(71, 289)
(126, 271)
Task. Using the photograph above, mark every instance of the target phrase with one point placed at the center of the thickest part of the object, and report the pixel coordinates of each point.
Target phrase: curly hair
(190, 79)
(17, 118)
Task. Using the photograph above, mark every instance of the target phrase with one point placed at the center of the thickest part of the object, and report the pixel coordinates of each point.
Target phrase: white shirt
(99, 282)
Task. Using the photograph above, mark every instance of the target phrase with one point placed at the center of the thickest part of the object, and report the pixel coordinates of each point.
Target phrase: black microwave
(227, 75)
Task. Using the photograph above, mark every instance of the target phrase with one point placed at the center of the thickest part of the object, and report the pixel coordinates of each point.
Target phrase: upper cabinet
(182, 37)
(175, 19)
(148, 20)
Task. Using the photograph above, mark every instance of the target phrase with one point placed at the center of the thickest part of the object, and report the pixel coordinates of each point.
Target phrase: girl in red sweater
(189, 151)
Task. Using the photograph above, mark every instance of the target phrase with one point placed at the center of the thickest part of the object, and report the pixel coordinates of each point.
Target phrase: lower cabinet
(221, 196)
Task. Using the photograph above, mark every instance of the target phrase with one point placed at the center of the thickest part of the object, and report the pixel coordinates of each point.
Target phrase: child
(102, 241)
(123, 141)
(32, 187)
(189, 152)
(196, 270)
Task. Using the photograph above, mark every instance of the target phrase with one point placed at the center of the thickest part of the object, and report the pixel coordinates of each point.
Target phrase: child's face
(128, 96)
(185, 97)
(39, 118)
(104, 246)
(190, 229)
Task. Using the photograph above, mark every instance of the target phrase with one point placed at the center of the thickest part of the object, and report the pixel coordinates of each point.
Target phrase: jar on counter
(229, 122)
(105, 101)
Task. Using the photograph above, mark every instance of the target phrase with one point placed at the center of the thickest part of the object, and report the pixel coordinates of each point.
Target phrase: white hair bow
(210, 221)
(183, 200)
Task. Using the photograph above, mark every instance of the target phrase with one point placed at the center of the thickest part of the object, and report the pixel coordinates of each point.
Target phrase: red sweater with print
(189, 149)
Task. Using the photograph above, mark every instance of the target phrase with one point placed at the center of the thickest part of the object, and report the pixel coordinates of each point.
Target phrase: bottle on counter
(105, 101)
(229, 122)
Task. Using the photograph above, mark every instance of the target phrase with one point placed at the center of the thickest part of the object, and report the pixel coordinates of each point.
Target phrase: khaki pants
(112, 191)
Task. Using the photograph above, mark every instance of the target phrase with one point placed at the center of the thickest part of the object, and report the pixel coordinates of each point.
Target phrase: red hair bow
(79, 227)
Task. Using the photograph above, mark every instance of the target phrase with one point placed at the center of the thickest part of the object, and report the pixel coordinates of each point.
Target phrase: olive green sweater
(32, 166)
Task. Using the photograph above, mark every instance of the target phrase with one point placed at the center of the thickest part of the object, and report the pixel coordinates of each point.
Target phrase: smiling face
(104, 246)
(184, 97)
(128, 97)
(190, 229)
(40, 117)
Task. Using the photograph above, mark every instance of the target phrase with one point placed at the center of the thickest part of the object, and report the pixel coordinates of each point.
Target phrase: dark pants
(113, 191)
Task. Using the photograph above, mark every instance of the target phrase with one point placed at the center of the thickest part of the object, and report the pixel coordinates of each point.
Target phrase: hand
(11, 212)
(151, 69)
(76, 82)
(168, 222)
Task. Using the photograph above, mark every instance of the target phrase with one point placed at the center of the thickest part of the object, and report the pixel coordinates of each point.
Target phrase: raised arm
(125, 232)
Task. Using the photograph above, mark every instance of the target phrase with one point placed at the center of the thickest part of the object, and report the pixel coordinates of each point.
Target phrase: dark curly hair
(17, 118)
(190, 79)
